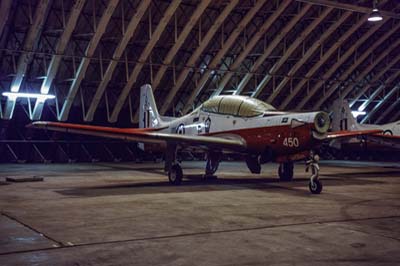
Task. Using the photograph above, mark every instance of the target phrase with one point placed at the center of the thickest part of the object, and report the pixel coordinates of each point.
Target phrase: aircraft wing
(387, 140)
(147, 135)
(351, 134)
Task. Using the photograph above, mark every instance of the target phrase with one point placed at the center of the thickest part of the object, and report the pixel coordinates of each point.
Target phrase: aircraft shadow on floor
(196, 183)
(371, 174)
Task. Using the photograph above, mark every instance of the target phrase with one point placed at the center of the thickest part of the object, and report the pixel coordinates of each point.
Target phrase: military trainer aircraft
(342, 119)
(228, 123)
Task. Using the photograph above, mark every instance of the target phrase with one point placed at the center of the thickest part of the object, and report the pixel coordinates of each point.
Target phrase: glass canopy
(236, 105)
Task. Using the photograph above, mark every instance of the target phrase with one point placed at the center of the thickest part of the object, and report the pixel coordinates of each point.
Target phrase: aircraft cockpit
(237, 106)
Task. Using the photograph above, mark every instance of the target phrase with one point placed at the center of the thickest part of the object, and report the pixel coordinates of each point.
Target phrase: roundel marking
(388, 132)
(180, 129)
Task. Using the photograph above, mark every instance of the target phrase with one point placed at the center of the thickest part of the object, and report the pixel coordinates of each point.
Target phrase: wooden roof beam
(143, 57)
(323, 59)
(349, 88)
(292, 48)
(250, 45)
(84, 64)
(359, 60)
(375, 79)
(25, 58)
(333, 68)
(307, 55)
(127, 35)
(267, 52)
(221, 53)
(379, 105)
(56, 59)
(195, 56)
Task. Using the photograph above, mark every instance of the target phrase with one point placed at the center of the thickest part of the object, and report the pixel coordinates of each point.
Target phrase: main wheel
(175, 174)
(315, 186)
(285, 171)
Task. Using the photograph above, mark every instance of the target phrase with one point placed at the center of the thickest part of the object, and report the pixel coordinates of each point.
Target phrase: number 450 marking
(291, 142)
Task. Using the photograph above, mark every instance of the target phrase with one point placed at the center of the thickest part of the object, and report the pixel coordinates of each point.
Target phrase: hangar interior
(71, 199)
(94, 55)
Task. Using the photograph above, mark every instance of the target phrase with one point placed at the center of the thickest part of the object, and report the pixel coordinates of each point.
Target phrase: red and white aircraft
(342, 119)
(226, 123)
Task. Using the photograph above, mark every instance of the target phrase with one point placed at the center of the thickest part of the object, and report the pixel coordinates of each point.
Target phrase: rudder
(148, 115)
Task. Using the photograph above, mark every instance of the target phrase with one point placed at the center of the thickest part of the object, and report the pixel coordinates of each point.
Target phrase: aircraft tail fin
(148, 115)
(342, 118)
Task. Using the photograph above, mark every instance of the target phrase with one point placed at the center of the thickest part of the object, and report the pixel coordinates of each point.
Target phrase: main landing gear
(315, 184)
(175, 174)
(285, 171)
(174, 170)
(213, 159)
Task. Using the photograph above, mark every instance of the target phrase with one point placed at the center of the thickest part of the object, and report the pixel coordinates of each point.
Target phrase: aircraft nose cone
(322, 122)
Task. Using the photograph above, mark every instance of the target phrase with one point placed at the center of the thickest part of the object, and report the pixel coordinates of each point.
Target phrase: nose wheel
(315, 184)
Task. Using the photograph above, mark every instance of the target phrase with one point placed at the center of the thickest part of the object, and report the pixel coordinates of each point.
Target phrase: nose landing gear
(315, 184)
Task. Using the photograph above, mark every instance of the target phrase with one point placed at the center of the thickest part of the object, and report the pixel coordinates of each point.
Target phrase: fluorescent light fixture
(38, 96)
(375, 15)
(357, 113)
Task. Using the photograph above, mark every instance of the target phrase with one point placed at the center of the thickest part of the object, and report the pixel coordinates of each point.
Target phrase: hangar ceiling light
(357, 113)
(38, 96)
(375, 15)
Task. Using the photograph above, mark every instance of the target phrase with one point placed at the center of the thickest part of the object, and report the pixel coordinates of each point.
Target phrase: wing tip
(37, 124)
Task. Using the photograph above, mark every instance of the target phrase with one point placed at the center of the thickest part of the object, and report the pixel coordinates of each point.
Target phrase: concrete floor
(127, 214)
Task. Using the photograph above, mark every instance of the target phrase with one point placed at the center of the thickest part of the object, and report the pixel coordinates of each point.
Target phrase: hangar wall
(94, 56)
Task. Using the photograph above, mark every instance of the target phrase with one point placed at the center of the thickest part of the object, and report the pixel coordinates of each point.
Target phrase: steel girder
(127, 35)
(194, 57)
(376, 92)
(359, 60)
(25, 58)
(289, 51)
(350, 7)
(323, 59)
(179, 42)
(143, 57)
(364, 73)
(375, 79)
(305, 58)
(378, 105)
(56, 59)
(84, 64)
(387, 111)
(5, 6)
(250, 45)
(218, 57)
(267, 52)
(333, 68)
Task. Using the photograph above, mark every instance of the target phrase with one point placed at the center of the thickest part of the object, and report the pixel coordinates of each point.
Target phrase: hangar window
(237, 106)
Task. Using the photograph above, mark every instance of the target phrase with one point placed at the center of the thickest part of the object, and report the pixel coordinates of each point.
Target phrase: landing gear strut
(213, 159)
(315, 184)
(175, 174)
(285, 171)
(173, 168)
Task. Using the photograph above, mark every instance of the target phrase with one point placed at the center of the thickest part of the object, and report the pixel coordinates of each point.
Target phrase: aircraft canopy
(236, 105)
